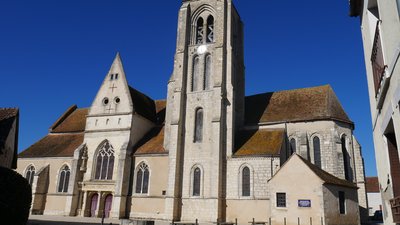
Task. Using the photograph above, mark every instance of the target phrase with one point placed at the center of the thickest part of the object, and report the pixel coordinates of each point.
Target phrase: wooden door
(107, 205)
(93, 205)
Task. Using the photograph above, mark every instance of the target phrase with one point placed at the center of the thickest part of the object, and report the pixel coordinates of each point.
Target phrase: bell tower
(205, 105)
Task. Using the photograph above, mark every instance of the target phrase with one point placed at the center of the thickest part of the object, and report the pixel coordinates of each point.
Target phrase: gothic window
(292, 146)
(317, 151)
(64, 179)
(246, 181)
(198, 128)
(196, 181)
(142, 179)
(345, 158)
(207, 73)
(30, 173)
(105, 162)
(196, 74)
(200, 31)
(210, 29)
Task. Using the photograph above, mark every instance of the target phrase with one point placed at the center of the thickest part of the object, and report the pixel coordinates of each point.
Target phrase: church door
(107, 205)
(93, 205)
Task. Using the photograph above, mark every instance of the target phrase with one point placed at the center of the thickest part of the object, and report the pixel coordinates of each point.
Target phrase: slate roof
(372, 185)
(306, 104)
(327, 177)
(259, 142)
(65, 136)
(143, 105)
(153, 141)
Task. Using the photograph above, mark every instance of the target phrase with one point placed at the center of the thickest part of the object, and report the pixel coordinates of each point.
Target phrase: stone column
(98, 204)
(84, 205)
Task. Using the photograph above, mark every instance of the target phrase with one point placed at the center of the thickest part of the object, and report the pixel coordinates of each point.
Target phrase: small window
(342, 202)
(30, 173)
(198, 128)
(292, 146)
(281, 200)
(196, 83)
(105, 101)
(64, 179)
(117, 100)
(317, 151)
(346, 159)
(196, 181)
(112, 77)
(246, 181)
(116, 76)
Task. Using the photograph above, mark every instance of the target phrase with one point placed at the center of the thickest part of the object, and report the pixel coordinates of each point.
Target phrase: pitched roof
(296, 105)
(160, 110)
(327, 177)
(74, 122)
(152, 143)
(65, 136)
(54, 145)
(372, 184)
(143, 105)
(259, 142)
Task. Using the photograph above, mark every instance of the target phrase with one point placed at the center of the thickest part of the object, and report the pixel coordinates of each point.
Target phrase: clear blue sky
(56, 53)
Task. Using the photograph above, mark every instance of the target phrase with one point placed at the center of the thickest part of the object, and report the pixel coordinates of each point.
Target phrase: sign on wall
(304, 203)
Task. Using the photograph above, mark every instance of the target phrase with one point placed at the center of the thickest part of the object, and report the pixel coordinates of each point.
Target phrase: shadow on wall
(39, 222)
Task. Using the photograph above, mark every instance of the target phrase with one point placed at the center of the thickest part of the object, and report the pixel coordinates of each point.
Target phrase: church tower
(205, 106)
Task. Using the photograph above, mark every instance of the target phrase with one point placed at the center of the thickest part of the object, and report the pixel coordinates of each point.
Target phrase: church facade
(207, 152)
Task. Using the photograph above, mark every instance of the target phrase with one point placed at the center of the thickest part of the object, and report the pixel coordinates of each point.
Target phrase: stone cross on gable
(113, 87)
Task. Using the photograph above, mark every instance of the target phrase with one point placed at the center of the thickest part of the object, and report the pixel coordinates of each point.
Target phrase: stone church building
(207, 152)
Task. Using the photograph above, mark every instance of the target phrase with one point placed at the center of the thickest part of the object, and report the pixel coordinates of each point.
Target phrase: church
(207, 152)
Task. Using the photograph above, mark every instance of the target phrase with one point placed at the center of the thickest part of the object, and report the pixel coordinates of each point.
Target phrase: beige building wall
(331, 206)
(151, 205)
(46, 199)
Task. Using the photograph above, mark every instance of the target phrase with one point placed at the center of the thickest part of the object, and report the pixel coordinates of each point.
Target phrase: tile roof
(75, 121)
(327, 177)
(259, 142)
(372, 185)
(160, 110)
(65, 136)
(54, 145)
(296, 105)
(143, 105)
(6, 113)
(152, 143)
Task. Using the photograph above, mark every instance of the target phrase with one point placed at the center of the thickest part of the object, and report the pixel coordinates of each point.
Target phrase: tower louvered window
(142, 179)
(210, 29)
(64, 179)
(200, 31)
(105, 162)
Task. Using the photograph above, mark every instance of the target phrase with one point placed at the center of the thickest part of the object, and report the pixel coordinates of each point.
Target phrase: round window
(117, 100)
(105, 101)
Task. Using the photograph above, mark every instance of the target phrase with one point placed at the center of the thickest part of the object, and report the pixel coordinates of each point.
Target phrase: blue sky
(56, 53)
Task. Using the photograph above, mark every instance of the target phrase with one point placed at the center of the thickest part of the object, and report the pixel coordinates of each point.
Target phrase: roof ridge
(290, 90)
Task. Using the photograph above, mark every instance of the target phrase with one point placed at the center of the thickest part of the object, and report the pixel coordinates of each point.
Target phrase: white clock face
(202, 49)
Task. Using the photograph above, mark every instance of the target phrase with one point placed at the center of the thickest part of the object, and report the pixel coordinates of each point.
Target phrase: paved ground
(60, 220)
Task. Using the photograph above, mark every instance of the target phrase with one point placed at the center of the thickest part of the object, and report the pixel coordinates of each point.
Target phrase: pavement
(64, 220)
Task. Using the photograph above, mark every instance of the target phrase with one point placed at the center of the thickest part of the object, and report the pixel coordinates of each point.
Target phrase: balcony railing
(395, 203)
(378, 65)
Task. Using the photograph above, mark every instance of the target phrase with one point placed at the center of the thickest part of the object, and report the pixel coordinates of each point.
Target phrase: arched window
(196, 181)
(246, 181)
(64, 179)
(30, 173)
(292, 146)
(198, 128)
(105, 162)
(207, 73)
(317, 151)
(210, 29)
(200, 31)
(142, 178)
(345, 158)
(196, 83)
